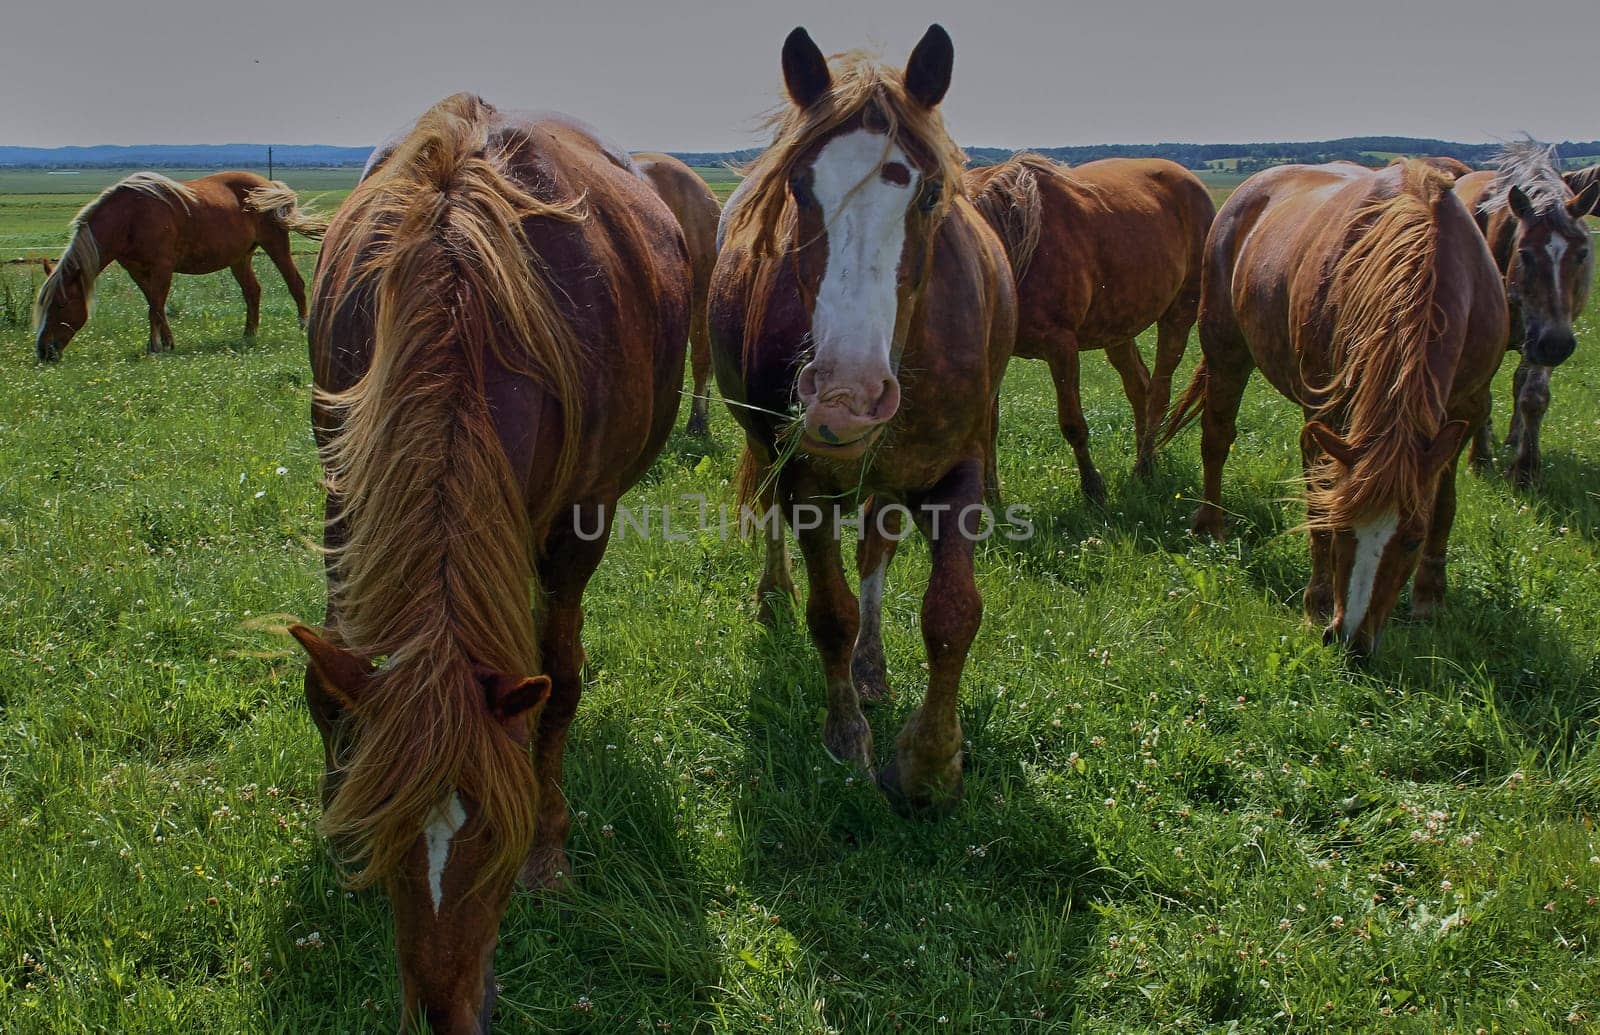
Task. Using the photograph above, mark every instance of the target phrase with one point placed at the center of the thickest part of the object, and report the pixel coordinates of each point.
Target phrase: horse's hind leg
(275, 242)
(926, 771)
(1124, 356)
(572, 560)
(700, 366)
(1069, 410)
(1228, 367)
(1172, 337)
(251, 287)
(1533, 400)
(777, 580)
(831, 616)
(880, 534)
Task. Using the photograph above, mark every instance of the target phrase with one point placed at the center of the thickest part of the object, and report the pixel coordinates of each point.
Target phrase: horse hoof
(1522, 476)
(872, 685)
(772, 604)
(848, 741)
(1094, 489)
(1482, 466)
(924, 802)
(697, 425)
(546, 869)
(1145, 468)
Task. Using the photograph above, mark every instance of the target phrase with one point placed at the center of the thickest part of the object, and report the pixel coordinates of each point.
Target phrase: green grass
(1183, 813)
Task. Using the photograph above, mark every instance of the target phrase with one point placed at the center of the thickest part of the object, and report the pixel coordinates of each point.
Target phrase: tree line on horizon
(1238, 157)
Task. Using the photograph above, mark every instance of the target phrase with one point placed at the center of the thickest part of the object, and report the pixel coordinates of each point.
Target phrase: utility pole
(269, 161)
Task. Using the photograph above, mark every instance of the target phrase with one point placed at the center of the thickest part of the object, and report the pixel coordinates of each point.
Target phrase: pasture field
(1183, 813)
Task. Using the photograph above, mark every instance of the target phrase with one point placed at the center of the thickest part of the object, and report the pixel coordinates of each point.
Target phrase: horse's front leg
(880, 534)
(926, 772)
(155, 285)
(571, 561)
(831, 616)
(1533, 401)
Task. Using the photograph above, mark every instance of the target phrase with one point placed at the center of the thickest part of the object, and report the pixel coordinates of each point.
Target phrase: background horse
(1578, 180)
(156, 227)
(1370, 299)
(1534, 225)
(857, 283)
(698, 212)
(1101, 252)
(498, 337)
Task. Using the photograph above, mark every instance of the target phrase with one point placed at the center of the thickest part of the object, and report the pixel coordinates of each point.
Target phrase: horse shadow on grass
(898, 919)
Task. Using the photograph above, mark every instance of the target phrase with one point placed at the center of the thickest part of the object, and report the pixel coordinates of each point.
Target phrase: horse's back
(1122, 240)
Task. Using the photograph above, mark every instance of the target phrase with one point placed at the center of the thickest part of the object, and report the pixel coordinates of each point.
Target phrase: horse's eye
(1583, 253)
(1525, 254)
(1411, 545)
(932, 190)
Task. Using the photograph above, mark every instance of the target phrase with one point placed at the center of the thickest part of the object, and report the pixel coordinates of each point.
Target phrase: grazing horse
(155, 227)
(1101, 252)
(862, 314)
(698, 212)
(1368, 297)
(498, 329)
(1534, 225)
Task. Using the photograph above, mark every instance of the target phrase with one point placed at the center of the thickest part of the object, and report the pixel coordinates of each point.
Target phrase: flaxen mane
(279, 202)
(1534, 167)
(436, 573)
(80, 260)
(1382, 395)
(860, 84)
(1007, 196)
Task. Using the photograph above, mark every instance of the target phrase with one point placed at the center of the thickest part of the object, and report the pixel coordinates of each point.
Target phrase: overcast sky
(693, 75)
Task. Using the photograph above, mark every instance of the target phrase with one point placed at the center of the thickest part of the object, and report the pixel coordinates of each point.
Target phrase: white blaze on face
(865, 220)
(1557, 249)
(447, 818)
(1372, 537)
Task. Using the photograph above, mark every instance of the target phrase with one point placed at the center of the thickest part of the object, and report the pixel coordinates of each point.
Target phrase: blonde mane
(860, 84)
(1007, 196)
(1534, 167)
(1381, 391)
(80, 260)
(436, 574)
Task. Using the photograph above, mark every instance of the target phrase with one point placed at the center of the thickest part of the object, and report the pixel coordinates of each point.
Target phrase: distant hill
(186, 156)
(1242, 158)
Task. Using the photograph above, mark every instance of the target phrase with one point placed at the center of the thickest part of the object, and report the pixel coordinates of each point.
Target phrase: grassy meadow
(1183, 812)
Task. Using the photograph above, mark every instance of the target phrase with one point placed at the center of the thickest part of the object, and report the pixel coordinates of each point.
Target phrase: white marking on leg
(865, 216)
(1371, 539)
(446, 819)
(872, 601)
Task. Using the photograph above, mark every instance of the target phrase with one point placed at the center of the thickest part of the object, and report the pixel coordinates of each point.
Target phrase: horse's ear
(1445, 445)
(1329, 442)
(805, 69)
(1519, 204)
(1584, 204)
(341, 672)
(510, 696)
(928, 71)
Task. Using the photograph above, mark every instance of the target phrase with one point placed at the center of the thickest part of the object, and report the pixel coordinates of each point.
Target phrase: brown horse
(698, 212)
(1368, 297)
(857, 284)
(1534, 225)
(156, 227)
(497, 336)
(1101, 252)
(1578, 180)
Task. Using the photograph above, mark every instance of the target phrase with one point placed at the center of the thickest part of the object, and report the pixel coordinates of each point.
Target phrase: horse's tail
(278, 202)
(436, 568)
(1188, 405)
(1008, 200)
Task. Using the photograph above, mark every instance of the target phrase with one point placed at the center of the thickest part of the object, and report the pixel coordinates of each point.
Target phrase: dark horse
(1101, 252)
(1534, 225)
(862, 314)
(156, 227)
(697, 210)
(497, 336)
(1369, 299)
